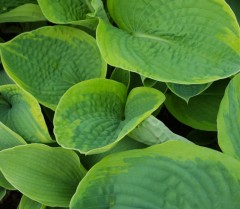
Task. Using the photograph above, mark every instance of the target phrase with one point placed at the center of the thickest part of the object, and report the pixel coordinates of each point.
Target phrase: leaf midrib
(152, 37)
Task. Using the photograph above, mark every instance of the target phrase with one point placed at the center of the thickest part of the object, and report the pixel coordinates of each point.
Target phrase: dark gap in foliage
(173, 124)
(11, 200)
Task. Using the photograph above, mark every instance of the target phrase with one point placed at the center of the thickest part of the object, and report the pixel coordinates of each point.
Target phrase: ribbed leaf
(44, 174)
(67, 11)
(49, 60)
(94, 115)
(173, 175)
(152, 131)
(201, 111)
(21, 112)
(23, 13)
(228, 120)
(186, 42)
(186, 92)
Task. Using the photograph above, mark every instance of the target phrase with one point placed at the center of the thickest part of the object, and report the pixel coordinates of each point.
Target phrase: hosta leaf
(186, 42)
(67, 11)
(152, 131)
(9, 138)
(49, 60)
(4, 183)
(235, 5)
(21, 112)
(94, 115)
(121, 76)
(7, 5)
(228, 120)
(201, 111)
(27, 203)
(148, 82)
(2, 193)
(125, 144)
(173, 175)
(187, 91)
(44, 174)
(4, 78)
(23, 13)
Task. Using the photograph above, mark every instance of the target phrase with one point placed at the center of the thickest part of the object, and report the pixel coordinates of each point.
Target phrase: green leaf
(4, 183)
(27, 203)
(228, 120)
(121, 76)
(21, 112)
(23, 13)
(152, 131)
(185, 42)
(4, 78)
(201, 111)
(9, 138)
(125, 144)
(235, 5)
(7, 5)
(148, 82)
(94, 115)
(44, 174)
(173, 175)
(2, 193)
(68, 12)
(187, 91)
(48, 61)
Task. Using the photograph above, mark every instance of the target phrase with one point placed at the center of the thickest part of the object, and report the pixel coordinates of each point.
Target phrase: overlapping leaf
(152, 131)
(201, 111)
(228, 120)
(21, 112)
(186, 92)
(171, 175)
(94, 115)
(184, 42)
(23, 13)
(44, 174)
(47, 61)
(7, 5)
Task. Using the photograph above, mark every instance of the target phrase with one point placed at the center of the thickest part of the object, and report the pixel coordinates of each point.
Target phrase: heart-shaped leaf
(186, 92)
(201, 111)
(44, 174)
(49, 60)
(228, 120)
(169, 176)
(94, 115)
(186, 42)
(21, 112)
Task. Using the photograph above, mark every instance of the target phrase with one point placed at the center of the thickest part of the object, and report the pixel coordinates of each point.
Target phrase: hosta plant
(120, 104)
